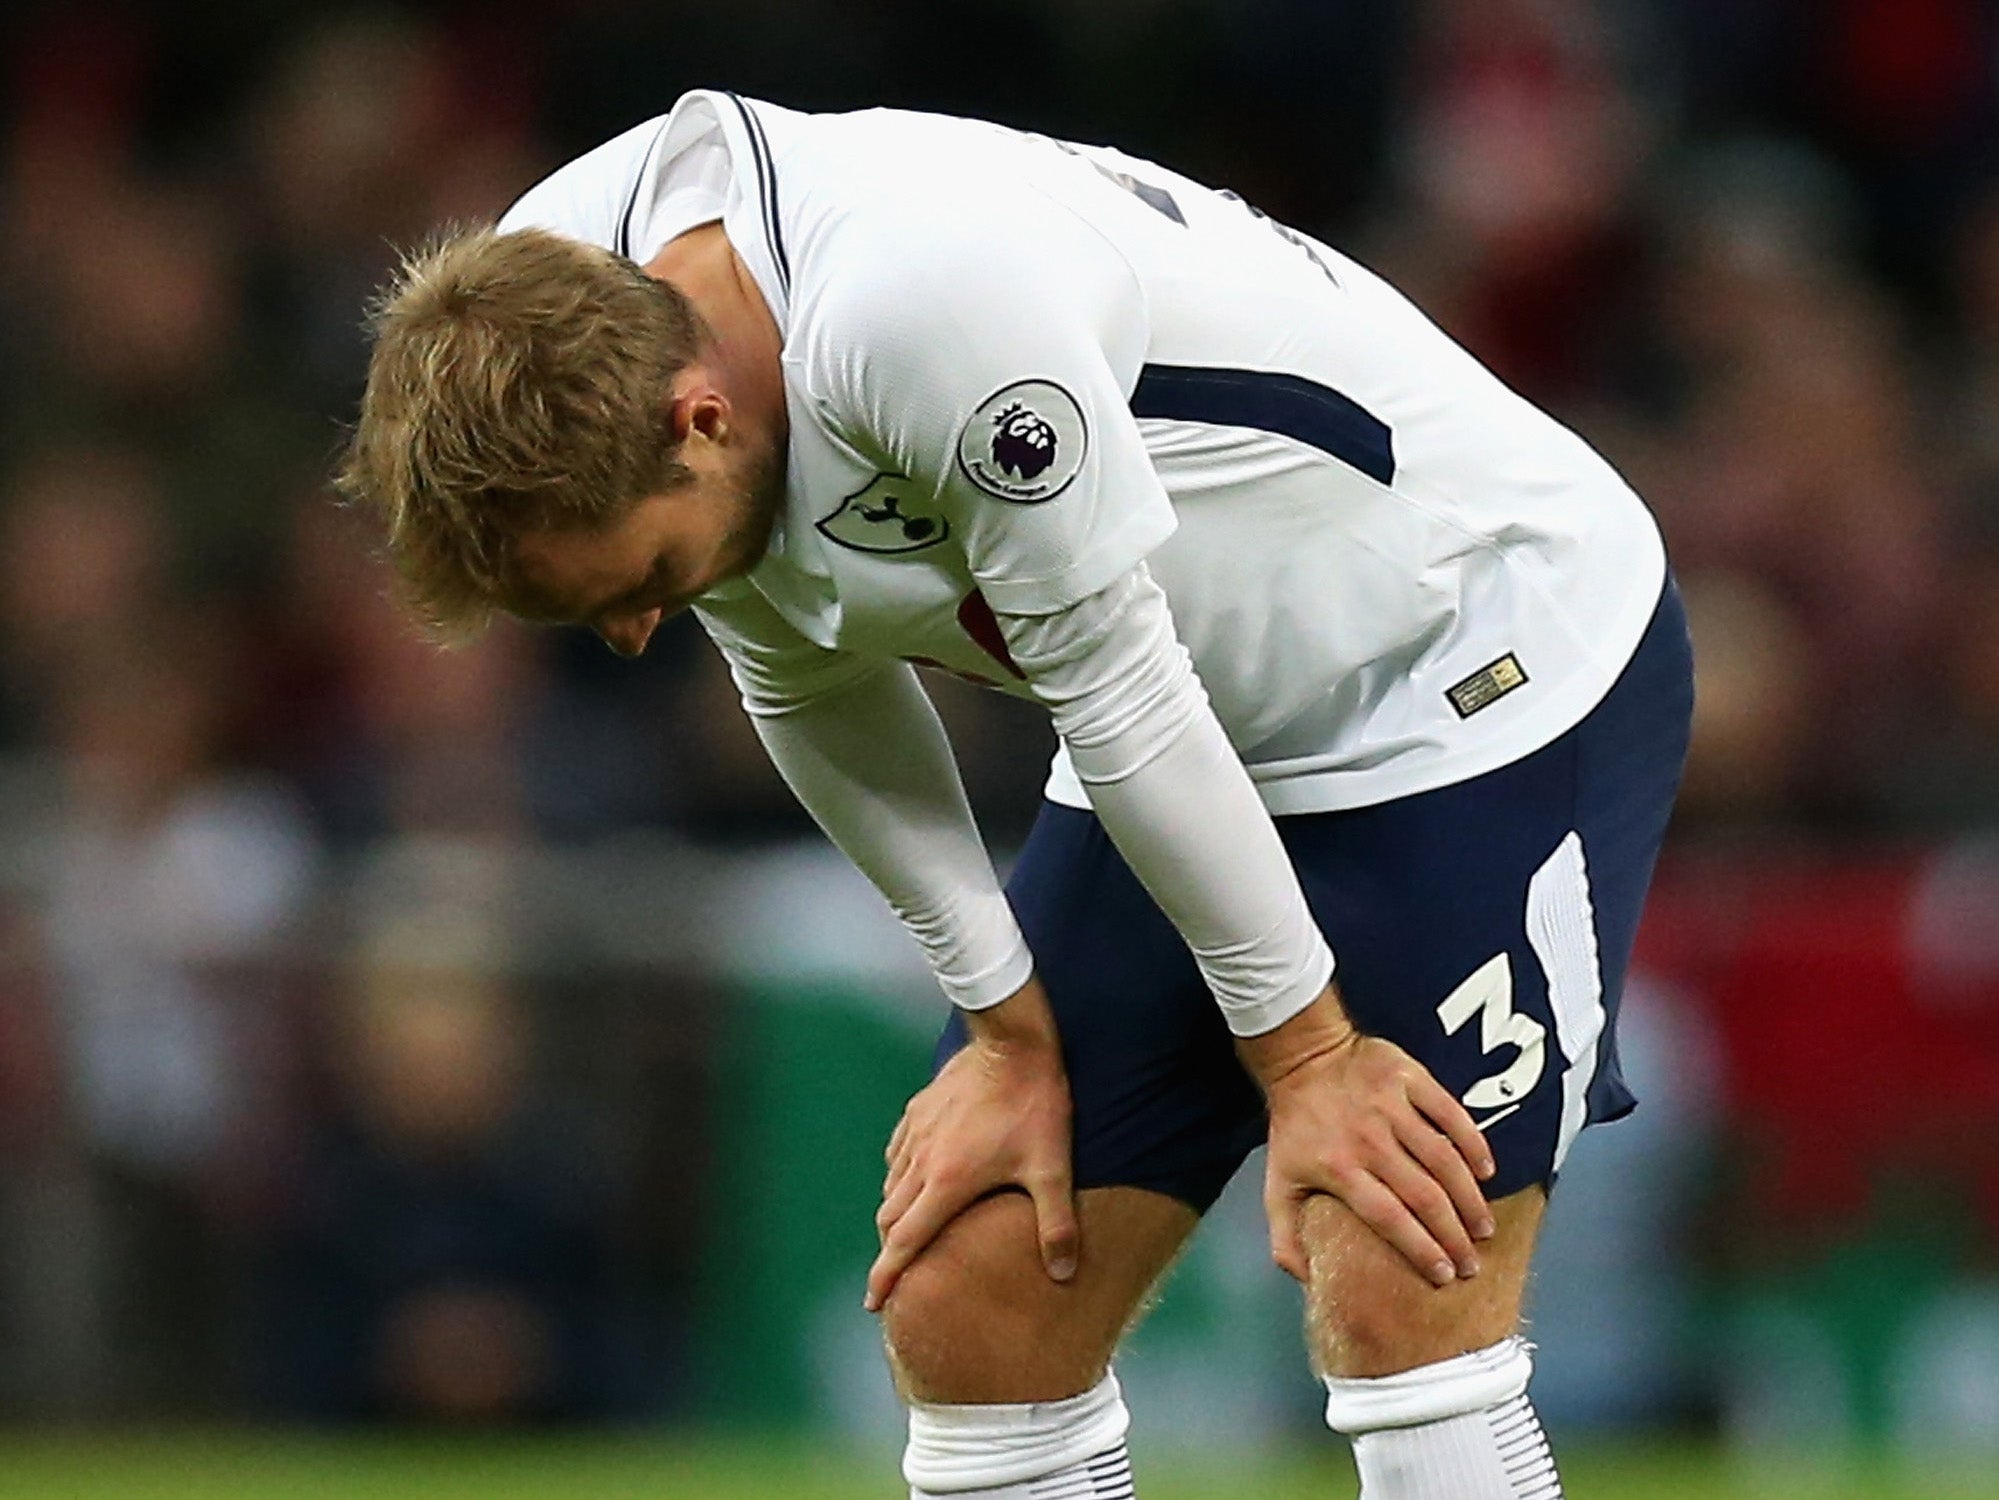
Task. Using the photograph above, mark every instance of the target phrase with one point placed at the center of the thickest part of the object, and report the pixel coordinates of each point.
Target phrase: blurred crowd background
(390, 1035)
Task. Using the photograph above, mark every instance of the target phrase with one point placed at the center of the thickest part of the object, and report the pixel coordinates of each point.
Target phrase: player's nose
(627, 634)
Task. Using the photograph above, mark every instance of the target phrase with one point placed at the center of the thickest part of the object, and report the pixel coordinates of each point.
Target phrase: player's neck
(746, 346)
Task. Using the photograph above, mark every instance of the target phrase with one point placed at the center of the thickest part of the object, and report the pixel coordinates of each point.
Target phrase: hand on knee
(1459, 1429)
(998, 1452)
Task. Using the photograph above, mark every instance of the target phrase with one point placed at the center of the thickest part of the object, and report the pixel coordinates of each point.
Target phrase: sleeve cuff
(987, 988)
(1270, 1011)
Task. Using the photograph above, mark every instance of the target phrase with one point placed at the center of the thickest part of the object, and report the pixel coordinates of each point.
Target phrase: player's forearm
(1023, 1022)
(1175, 798)
(871, 763)
(1191, 826)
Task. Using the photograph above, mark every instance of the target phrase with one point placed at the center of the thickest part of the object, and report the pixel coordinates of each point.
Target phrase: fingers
(898, 1171)
(1436, 1216)
(899, 1155)
(1439, 1156)
(1287, 1245)
(1376, 1130)
(1383, 1211)
(1055, 1222)
(912, 1231)
(916, 1212)
(896, 1201)
(1451, 1117)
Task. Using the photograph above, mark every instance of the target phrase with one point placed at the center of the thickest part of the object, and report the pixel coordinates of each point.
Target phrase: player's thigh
(1369, 1312)
(976, 1318)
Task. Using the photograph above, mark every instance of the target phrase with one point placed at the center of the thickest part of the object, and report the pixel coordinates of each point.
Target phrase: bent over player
(1354, 657)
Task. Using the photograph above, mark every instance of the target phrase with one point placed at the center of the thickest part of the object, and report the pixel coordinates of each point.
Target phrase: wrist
(1321, 1028)
(1023, 1023)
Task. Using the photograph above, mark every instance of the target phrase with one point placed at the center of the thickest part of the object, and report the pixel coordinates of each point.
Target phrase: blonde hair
(518, 382)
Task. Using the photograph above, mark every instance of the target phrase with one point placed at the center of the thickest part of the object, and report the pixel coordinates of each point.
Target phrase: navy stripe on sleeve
(766, 188)
(632, 202)
(1270, 401)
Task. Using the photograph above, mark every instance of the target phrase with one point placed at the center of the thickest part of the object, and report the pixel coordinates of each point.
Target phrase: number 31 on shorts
(1488, 994)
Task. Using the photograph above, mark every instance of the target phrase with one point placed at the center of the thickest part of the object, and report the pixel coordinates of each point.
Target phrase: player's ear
(697, 407)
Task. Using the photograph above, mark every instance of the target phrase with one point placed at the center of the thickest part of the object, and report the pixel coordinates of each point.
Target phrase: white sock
(1495, 1454)
(1105, 1477)
(1045, 1450)
(1460, 1429)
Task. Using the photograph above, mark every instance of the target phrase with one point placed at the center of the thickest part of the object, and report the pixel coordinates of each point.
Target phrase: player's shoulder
(590, 197)
(940, 264)
(874, 147)
(605, 195)
(915, 320)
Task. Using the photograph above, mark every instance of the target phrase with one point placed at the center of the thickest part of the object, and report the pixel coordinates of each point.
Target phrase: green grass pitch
(234, 1466)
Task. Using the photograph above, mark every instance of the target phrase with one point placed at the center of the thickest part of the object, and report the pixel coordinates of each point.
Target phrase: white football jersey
(1017, 368)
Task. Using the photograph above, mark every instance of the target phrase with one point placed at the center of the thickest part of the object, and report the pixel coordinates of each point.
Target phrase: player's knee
(942, 1282)
(922, 1321)
(1363, 1332)
(976, 1318)
(1395, 1320)
(958, 1306)
(1370, 1312)
(1373, 1314)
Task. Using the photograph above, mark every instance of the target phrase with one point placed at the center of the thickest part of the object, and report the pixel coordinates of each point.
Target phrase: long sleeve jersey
(1261, 538)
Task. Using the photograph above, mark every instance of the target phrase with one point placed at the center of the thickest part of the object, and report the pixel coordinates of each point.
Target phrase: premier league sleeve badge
(1025, 443)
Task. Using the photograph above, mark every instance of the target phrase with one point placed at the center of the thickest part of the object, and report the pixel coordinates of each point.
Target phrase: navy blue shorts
(1484, 927)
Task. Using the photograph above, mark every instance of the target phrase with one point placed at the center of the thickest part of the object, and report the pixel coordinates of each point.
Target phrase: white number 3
(1488, 994)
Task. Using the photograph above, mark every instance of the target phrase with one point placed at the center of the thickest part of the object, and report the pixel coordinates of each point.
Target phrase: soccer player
(1351, 652)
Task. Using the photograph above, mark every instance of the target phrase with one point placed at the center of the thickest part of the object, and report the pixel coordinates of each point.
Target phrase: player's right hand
(996, 1116)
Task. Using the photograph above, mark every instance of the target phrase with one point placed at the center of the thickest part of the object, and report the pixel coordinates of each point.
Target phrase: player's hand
(1358, 1118)
(996, 1116)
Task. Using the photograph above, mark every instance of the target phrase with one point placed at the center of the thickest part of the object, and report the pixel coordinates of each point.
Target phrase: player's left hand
(1359, 1119)
(996, 1116)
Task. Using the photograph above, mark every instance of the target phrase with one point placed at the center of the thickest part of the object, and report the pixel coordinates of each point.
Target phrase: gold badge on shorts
(1487, 685)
